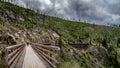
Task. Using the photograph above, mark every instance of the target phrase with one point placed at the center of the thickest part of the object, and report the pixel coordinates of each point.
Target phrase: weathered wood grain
(31, 60)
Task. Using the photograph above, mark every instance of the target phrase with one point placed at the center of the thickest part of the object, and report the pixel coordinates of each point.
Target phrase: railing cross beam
(49, 53)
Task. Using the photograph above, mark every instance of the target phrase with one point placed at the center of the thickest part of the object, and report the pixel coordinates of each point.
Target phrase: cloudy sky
(92, 11)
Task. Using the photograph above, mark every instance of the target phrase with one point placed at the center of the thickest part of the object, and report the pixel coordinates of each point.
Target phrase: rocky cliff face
(22, 36)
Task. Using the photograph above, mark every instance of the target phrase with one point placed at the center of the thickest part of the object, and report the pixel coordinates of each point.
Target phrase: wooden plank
(19, 63)
(14, 52)
(10, 47)
(47, 51)
(39, 51)
(11, 54)
(16, 60)
(14, 57)
(44, 50)
(31, 60)
(51, 58)
(48, 61)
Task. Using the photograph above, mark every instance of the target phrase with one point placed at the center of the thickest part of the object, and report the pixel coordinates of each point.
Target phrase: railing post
(12, 54)
(49, 53)
(6, 58)
(58, 57)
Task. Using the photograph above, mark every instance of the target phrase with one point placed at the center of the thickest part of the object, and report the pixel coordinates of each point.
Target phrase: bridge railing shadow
(49, 53)
(12, 54)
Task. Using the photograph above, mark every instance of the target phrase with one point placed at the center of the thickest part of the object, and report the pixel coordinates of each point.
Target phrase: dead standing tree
(45, 14)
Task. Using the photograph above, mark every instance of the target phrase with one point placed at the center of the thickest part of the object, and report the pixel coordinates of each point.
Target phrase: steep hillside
(25, 25)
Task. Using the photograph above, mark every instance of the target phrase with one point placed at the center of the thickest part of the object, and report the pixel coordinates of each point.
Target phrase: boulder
(7, 39)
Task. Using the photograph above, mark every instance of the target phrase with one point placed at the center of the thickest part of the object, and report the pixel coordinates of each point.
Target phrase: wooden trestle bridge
(32, 56)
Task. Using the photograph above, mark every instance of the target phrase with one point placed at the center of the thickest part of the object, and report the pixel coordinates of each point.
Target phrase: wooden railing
(48, 53)
(12, 54)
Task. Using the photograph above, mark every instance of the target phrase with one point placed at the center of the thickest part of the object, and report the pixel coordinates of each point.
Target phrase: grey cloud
(92, 11)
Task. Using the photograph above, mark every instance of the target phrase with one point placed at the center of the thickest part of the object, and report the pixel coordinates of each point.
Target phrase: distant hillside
(104, 41)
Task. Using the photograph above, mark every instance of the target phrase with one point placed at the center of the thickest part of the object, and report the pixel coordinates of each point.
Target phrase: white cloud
(115, 17)
(87, 0)
(113, 1)
(45, 2)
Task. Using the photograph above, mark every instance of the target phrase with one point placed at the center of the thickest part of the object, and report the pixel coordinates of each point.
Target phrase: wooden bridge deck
(31, 60)
(32, 56)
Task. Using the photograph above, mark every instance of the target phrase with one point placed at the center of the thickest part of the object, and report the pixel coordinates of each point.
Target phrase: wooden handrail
(12, 54)
(49, 53)
(46, 46)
